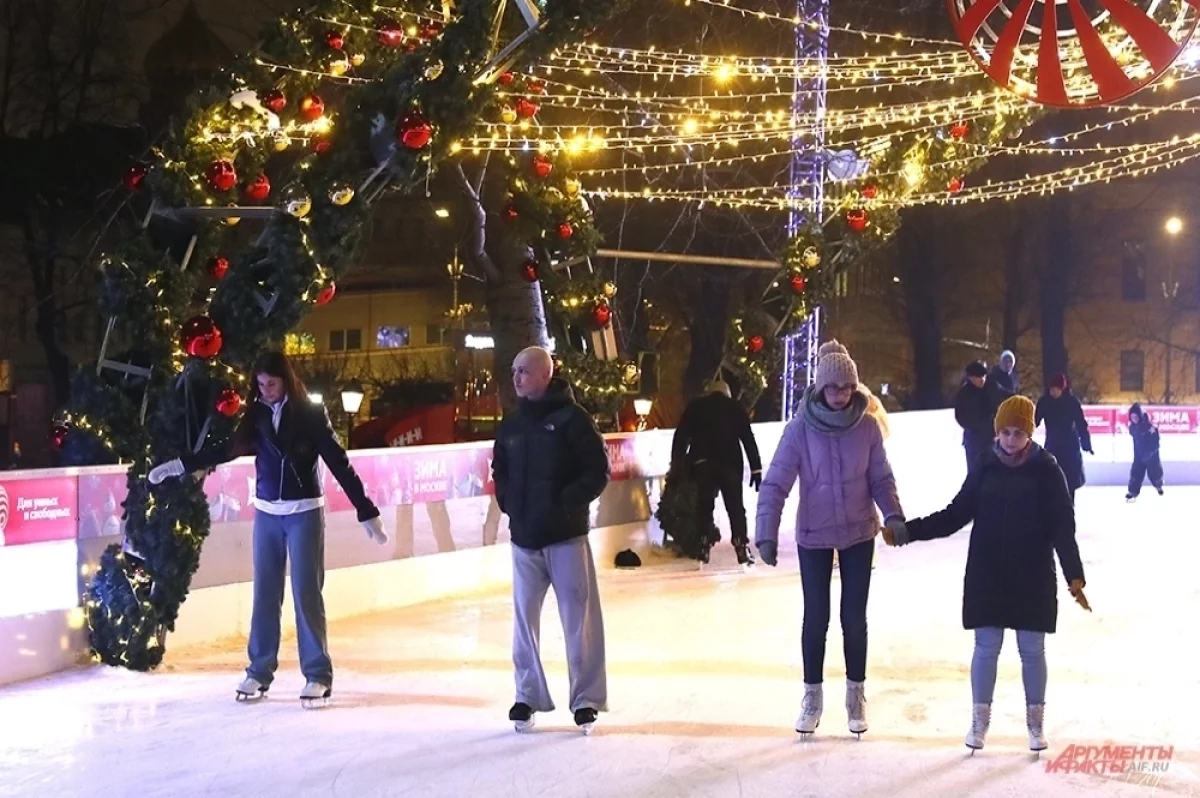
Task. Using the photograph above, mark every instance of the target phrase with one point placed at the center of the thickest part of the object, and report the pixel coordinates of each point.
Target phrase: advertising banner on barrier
(38, 510)
(1170, 419)
(1101, 420)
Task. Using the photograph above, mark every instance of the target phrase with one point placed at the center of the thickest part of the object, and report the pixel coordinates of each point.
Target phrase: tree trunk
(1055, 278)
(710, 305)
(41, 245)
(1013, 243)
(918, 266)
(518, 320)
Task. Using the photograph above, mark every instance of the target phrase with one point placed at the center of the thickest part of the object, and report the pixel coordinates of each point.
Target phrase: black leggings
(816, 575)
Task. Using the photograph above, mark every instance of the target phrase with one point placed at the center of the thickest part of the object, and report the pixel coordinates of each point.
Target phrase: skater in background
(286, 433)
(549, 465)
(1003, 376)
(707, 449)
(1018, 500)
(1067, 435)
(974, 409)
(1146, 459)
(835, 448)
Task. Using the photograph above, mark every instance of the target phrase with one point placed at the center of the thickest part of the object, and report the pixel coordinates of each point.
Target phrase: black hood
(1143, 419)
(558, 393)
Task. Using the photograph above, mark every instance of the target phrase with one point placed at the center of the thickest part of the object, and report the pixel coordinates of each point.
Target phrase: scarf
(828, 421)
(1015, 460)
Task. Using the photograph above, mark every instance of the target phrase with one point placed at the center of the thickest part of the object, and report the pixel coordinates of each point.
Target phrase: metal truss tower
(807, 189)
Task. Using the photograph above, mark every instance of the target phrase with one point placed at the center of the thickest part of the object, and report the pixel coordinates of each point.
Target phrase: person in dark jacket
(1067, 435)
(1146, 459)
(1004, 378)
(708, 447)
(549, 465)
(974, 408)
(1018, 500)
(286, 433)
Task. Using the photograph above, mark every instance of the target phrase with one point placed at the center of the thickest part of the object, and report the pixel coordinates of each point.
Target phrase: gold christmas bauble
(434, 70)
(811, 258)
(339, 67)
(340, 194)
(508, 115)
(281, 140)
(358, 59)
(295, 201)
(610, 289)
(573, 186)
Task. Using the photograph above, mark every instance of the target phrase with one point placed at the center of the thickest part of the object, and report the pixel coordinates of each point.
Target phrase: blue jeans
(1032, 647)
(816, 574)
(276, 538)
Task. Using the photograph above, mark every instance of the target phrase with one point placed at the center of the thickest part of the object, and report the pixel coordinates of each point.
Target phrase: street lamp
(1174, 225)
(642, 407)
(352, 399)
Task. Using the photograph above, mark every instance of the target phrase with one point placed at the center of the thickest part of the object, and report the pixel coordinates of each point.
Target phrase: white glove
(375, 530)
(172, 468)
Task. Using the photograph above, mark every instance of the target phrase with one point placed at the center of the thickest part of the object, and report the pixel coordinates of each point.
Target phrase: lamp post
(352, 399)
(642, 407)
(1170, 287)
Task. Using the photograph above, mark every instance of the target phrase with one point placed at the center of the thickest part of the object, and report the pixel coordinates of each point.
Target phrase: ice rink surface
(704, 684)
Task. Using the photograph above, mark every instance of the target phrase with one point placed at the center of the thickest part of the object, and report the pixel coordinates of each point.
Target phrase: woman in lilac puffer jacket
(835, 447)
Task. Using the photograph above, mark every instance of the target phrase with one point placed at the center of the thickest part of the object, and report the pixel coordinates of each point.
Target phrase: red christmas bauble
(526, 108)
(319, 144)
(312, 108)
(955, 185)
(506, 78)
(275, 101)
(135, 177)
(536, 87)
(756, 344)
(412, 45)
(222, 176)
(58, 436)
(414, 131)
(601, 314)
(529, 271)
(542, 166)
(430, 30)
(390, 34)
(201, 338)
(327, 294)
(869, 192)
(229, 402)
(259, 189)
(856, 219)
(565, 231)
(960, 129)
(334, 39)
(218, 267)
(798, 283)
(510, 213)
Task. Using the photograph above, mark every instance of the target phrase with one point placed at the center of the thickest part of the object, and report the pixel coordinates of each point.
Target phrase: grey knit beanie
(835, 366)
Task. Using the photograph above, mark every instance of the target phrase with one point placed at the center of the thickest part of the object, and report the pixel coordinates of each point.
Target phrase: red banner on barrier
(38, 510)
(1101, 420)
(1170, 420)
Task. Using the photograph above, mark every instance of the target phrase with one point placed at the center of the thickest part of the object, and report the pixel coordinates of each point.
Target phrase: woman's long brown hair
(273, 364)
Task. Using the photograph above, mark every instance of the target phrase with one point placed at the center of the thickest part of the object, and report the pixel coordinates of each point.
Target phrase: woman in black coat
(1067, 435)
(1018, 500)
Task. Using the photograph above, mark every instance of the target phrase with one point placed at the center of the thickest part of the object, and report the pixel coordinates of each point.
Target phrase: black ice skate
(744, 555)
(585, 719)
(251, 690)
(315, 695)
(1130, 498)
(521, 716)
(1160, 490)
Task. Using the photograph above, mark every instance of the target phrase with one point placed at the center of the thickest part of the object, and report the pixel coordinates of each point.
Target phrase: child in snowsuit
(1146, 460)
(1018, 499)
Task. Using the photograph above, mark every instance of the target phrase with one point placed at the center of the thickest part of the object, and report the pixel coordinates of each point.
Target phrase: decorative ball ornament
(259, 189)
(529, 271)
(320, 144)
(218, 267)
(508, 115)
(506, 78)
(756, 344)
(566, 230)
(955, 185)
(431, 30)
(526, 108)
(811, 257)
(960, 129)
(312, 108)
(229, 402)
(536, 87)
(295, 201)
(1074, 54)
(339, 67)
(222, 176)
(542, 166)
(435, 69)
(869, 191)
(510, 213)
(610, 290)
(856, 219)
(135, 177)
(201, 338)
(414, 131)
(275, 101)
(798, 284)
(280, 140)
(390, 34)
(601, 314)
(341, 194)
(412, 45)
(335, 40)
(572, 186)
(358, 59)
(58, 436)
(630, 373)
(327, 294)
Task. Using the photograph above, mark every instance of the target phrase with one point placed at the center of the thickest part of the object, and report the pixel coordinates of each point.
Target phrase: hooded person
(1067, 433)
(1146, 459)
(1003, 376)
(834, 448)
(708, 446)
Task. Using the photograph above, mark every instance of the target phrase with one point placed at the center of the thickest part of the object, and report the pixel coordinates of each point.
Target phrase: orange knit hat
(1016, 411)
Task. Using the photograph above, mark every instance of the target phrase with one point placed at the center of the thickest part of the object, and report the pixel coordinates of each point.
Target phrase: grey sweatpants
(300, 537)
(569, 568)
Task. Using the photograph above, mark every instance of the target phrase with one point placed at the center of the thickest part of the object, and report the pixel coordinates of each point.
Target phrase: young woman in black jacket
(1067, 435)
(1018, 499)
(286, 433)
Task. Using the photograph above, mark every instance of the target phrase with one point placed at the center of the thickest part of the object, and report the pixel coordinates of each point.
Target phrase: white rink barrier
(448, 538)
